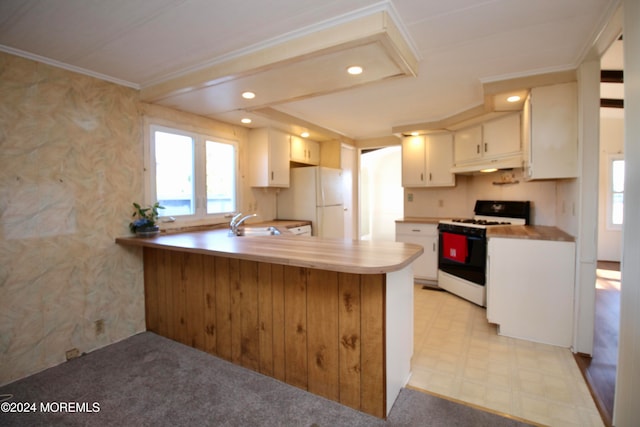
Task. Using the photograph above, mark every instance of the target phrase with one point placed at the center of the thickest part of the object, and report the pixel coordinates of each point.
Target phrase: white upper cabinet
(501, 137)
(550, 132)
(467, 145)
(305, 151)
(427, 161)
(268, 158)
(489, 142)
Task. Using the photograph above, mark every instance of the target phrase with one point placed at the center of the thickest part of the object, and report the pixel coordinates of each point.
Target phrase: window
(616, 192)
(192, 175)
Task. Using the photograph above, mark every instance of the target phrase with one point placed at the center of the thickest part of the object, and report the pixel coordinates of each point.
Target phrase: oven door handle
(469, 237)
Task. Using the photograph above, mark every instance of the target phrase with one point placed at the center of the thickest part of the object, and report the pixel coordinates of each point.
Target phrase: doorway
(381, 193)
(600, 369)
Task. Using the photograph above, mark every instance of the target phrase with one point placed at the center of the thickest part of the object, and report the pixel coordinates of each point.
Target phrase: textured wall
(70, 167)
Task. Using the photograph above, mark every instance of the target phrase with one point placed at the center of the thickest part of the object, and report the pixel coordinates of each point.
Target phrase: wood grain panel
(318, 330)
(249, 319)
(193, 280)
(151, 308)
(223, 308)
(373, 379)
(165, 295)
(349, 307)
(209, 304)
(236, 311)
(322, 327)
(265, 313)
(279, 357)
(177, 263)
(295, 328)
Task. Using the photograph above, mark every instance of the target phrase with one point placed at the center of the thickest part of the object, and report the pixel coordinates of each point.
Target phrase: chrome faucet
(235, 223)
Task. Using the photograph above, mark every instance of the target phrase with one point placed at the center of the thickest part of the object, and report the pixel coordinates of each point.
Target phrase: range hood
(503, 163)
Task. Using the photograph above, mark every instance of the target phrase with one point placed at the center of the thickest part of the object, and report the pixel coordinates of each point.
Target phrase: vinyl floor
(459, 355)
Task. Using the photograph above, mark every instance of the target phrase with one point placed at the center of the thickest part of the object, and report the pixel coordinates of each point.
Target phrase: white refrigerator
(314, 194)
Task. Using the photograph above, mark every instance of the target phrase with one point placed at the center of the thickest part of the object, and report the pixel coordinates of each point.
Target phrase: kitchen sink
(258, 231)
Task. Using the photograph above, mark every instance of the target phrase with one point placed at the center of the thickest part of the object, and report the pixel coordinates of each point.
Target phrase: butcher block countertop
(533, 232)
(347, 256)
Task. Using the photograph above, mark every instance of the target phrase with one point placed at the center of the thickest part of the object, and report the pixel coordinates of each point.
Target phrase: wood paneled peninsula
(334, 317)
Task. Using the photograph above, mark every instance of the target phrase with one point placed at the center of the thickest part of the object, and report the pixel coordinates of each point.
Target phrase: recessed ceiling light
(246, 120)
(354, 70)
(248, 95)
(415, 133)
(514, 98)
(305, 134)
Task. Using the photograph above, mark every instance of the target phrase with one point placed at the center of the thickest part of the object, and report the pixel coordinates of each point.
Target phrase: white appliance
(314, 194)
(462, 247)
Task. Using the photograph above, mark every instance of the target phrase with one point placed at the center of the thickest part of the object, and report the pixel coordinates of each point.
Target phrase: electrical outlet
(410, 197)
(440, 203)
(72, 354)
(99, 324)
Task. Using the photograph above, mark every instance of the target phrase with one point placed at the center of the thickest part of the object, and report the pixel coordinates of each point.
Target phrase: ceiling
(425, 60)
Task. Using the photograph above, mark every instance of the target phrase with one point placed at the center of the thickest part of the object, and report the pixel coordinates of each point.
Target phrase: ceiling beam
(612, 76)
(611, 103)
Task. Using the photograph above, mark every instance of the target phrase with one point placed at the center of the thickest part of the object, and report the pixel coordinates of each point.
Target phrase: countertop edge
(290, 250)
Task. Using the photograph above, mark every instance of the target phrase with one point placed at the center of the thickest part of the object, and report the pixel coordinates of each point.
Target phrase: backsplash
(459, 201)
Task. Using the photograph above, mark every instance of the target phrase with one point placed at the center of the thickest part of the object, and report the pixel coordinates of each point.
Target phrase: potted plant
(145, 223)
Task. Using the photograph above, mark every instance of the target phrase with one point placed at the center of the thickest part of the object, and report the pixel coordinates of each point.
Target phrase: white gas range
(462, 253)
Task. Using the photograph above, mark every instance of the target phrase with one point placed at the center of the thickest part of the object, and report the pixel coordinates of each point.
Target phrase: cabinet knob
(421, 177)
(477, 148)
(485, 147)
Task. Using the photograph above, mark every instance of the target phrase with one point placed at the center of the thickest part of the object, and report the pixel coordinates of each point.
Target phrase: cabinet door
(304, 151)
(502, 136)
(440, 160)
(551, 132)
(414, 161)
(426, 235)
(313, 152)
(298, 149)
(278, 159)
(467, 144)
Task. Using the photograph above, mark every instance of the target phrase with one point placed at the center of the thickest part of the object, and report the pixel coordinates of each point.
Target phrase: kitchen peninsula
(334, 317)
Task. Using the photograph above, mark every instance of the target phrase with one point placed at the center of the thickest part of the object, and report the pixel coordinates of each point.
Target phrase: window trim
(610, 225)
(200, 136)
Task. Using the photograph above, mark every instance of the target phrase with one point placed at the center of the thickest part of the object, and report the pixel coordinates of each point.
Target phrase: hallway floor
(599, 370)
(459, 355)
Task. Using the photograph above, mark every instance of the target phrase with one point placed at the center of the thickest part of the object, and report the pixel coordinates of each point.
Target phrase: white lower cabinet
(530, 289)
(425, 267)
